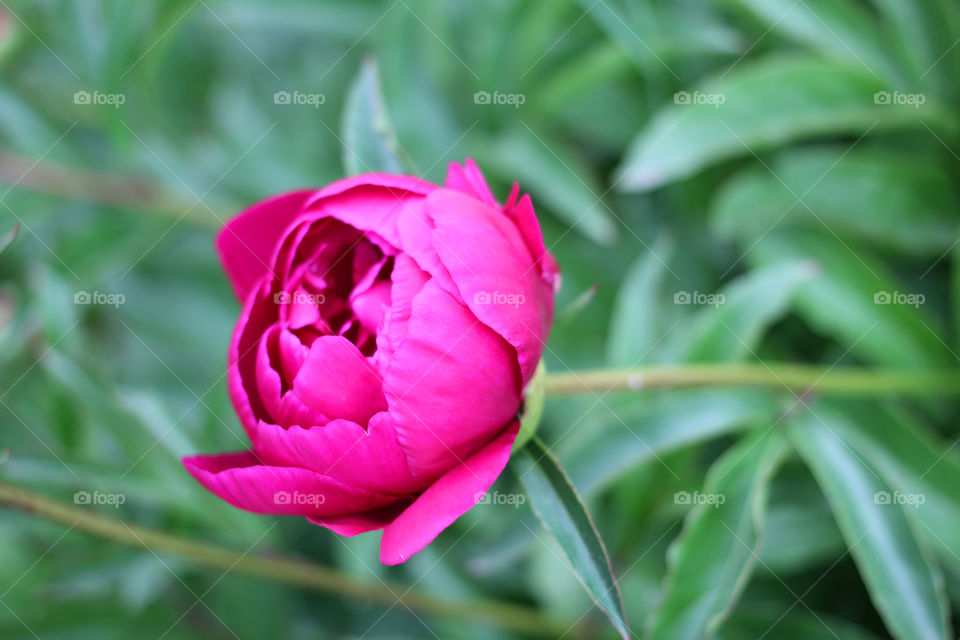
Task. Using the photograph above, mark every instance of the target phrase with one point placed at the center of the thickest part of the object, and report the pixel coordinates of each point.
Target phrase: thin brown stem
(288, 570)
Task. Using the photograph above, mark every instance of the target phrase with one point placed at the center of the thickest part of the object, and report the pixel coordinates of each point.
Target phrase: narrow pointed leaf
(711, 561)
(732, 329)
(916, 463)
(369, 141)
(680, 419)
(761, 106)
(563, 513)
(906, 588)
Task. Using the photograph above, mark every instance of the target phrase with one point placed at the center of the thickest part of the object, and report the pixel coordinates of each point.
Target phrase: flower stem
(112, 190)
(289, 570)
(796, 378)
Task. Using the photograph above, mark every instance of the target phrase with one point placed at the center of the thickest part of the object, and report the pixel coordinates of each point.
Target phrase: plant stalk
(791, 377)
(288, 570)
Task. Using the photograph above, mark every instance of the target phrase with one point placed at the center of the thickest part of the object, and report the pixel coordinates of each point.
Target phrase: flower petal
(416, 239)
(452, 495)
(468, 179)
(494, 271)
(243, 481)
(337, 380)
(526, 220)
(406, 281)
(248, 242)
(255, 319)
(371, 202)
(368, 458)
(452, 383)
(357, 523)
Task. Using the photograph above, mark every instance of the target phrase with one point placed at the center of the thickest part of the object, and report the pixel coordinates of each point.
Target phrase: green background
(806, 181)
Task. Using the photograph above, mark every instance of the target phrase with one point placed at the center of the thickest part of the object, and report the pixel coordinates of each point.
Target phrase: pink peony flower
(389, 327)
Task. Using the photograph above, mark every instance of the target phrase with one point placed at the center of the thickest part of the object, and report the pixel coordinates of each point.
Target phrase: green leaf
(910, 198)
(799, 530)
(369, 142)
(672, 421)
(563, 513)
(335, 20)
(920, 33)
(557, 178)
(906, 588)
(843, 300)
(954, 292)
(634, 322)
(841, 29)
(576, 306)
(914, 461)
(733, 329)
(766, 104)
(790, 623)
(656, 33)
(710, 562)
(7, 239)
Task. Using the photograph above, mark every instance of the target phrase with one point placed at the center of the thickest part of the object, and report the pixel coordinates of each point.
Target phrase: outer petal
(468, 179)
(371, 202)
(242, 359)
(389, 181)
(366, 458)
(452, 495)
(243, 481)
(337, 380)
(357, 523)
(526, 220)
(451, 385)
(416, 237)
(496, 275)
(247, 243)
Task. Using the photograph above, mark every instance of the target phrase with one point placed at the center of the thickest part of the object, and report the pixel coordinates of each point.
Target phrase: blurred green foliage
(798, 159)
